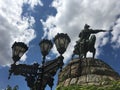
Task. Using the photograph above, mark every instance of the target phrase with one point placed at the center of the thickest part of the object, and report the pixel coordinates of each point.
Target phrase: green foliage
(115, 85)
(10, 88)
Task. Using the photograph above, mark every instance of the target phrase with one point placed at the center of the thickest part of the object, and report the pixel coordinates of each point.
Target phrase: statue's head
(86, 26)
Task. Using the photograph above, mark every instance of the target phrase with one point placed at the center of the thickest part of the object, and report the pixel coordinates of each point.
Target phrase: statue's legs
(91, 44)
(94, 51)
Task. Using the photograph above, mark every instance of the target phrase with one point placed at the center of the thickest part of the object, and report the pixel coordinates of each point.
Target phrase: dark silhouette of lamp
(18, 49)
(61, 41)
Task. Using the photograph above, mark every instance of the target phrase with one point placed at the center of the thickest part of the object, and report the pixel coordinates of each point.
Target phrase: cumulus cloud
(72, 15)
(14, 27)
(116, 34)
(33, 3)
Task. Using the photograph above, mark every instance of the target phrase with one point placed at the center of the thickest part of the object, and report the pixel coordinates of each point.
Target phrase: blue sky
(29, 21)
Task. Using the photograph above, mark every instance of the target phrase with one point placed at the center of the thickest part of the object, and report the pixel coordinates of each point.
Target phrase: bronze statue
(86, 42)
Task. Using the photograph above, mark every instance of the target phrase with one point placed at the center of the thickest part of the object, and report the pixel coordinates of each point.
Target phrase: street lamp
(18, 49)
(38, 76)
(45, 46)
(61, 41)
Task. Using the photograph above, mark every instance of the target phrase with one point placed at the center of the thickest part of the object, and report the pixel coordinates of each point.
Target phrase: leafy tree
(10, 88)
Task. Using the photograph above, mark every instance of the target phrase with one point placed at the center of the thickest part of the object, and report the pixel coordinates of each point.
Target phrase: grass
(114, 85)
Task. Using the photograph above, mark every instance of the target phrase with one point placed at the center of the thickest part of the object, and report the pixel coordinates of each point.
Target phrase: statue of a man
(87, 41)
(86, 32)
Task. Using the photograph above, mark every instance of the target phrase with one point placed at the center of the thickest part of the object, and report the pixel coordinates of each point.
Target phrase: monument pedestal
(87, 71)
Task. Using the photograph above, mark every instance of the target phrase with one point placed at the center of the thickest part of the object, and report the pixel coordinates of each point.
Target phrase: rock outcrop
(87, 71)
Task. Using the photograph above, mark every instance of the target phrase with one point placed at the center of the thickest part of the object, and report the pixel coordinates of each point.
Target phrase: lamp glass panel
(57, 43)
(18, 51)
(46, 46)
(62, 42)
(49, 48)
(21, 52)
(66, 43)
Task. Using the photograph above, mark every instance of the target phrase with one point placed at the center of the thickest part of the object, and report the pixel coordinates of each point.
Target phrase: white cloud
(33, 3)
(73, 14)
(13, 27)
(116, 34)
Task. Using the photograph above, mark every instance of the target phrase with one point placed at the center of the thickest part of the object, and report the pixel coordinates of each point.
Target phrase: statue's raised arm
(96, 31)
(86, 32)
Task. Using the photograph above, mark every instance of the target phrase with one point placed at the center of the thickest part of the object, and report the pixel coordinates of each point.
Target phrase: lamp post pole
(38, 76)
(45, 46)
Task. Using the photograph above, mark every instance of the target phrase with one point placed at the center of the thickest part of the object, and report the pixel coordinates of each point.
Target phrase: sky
(30, 21)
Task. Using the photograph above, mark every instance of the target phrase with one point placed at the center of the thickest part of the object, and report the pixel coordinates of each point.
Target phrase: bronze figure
(86, 42)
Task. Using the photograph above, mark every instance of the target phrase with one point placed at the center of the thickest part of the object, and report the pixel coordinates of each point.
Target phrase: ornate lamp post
(38, 76)
(61, 41)
(45, 46)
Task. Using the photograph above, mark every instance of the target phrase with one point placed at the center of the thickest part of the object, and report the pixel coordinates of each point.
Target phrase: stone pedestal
(87, 71)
